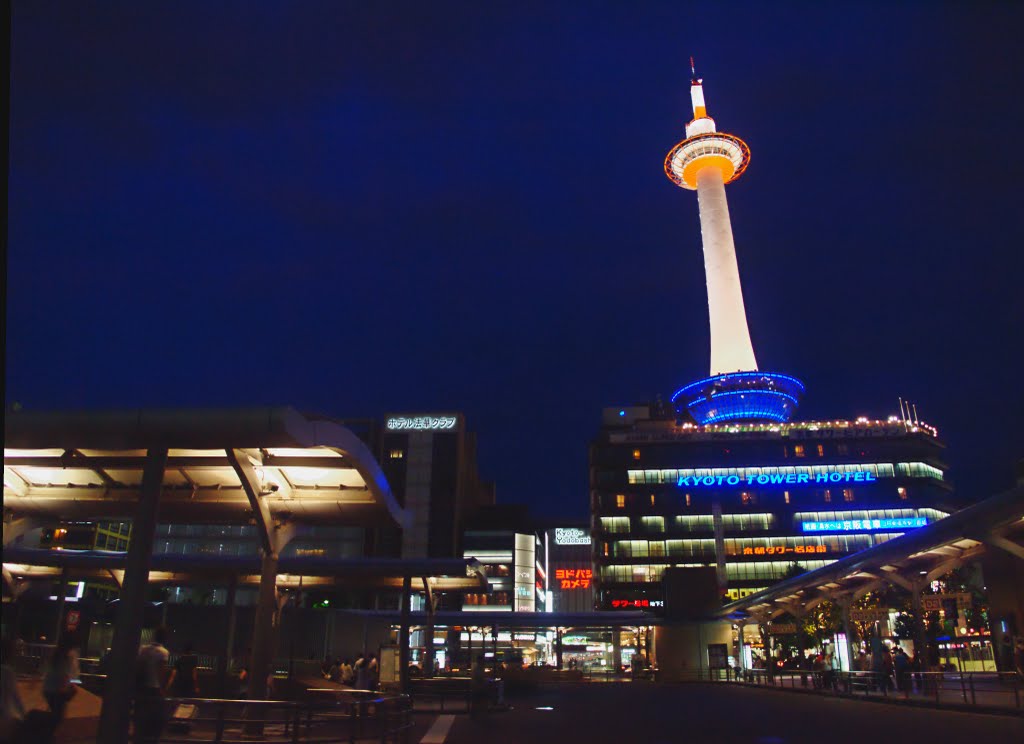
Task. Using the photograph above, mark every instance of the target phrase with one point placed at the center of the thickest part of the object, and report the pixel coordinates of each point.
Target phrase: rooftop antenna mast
(693, 72)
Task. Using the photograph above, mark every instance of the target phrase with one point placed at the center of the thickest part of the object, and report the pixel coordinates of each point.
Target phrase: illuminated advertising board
(571, 536)
(421, 423)
(574, 578)
(778, 479)
(848, 525)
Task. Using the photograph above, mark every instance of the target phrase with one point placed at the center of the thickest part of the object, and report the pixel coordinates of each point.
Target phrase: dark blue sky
(359, 208)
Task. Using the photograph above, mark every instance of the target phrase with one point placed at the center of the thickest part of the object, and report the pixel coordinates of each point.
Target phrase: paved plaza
(697, 713)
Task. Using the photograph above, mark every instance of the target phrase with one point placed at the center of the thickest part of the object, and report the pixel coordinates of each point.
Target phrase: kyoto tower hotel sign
(736, 391)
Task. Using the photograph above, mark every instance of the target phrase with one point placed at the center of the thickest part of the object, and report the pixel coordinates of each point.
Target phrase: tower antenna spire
(693, 72)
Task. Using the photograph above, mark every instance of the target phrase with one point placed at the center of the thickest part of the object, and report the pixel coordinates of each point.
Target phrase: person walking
(901, 666)
(184, 680)
(348, 675)
(362, 673)
(373, 670)
(12, 710)
(61, 669)
(150, 669)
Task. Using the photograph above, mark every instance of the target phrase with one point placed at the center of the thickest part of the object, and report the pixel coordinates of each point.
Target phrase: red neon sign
(574, 578)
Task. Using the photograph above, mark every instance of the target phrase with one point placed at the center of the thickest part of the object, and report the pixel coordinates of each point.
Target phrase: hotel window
(653, 524)
(652, 499)
(636, 454)
(687, 499)
(620, 501)
(798, 450)
(785, 495)
(748, 499)
(396, 454)
(902, 493)
(821, 450)
(847, 494)
(842, 449)
(828, 496)
(606, 550)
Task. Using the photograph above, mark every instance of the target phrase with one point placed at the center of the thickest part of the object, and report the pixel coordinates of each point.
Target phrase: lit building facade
(570, 569)
(513, 554)
(724, 479)
(430, 462)
(751, 499)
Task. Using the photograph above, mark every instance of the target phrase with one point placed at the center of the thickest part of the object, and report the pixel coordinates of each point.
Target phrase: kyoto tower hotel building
(724, 478)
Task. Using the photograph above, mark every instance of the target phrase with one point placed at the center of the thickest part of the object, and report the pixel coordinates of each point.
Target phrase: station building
(757, 501)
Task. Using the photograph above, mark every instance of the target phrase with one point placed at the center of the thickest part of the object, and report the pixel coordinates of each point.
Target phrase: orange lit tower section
(705, 162)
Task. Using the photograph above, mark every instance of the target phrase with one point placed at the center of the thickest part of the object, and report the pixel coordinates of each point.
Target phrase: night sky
(361, 208)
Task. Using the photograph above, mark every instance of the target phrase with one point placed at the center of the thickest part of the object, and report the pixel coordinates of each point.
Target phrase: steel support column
(62, 600)
(428, 641)
(227, 654)
(117, 697)
(265, 630)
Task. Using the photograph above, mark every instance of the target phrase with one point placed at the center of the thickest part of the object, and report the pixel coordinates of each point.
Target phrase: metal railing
(973, 689)
(349, 717)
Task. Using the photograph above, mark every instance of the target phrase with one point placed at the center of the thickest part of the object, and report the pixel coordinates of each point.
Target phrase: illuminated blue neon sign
(846, 525)
(854, 476)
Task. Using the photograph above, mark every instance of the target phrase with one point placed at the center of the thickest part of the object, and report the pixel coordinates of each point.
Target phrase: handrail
(991, 690)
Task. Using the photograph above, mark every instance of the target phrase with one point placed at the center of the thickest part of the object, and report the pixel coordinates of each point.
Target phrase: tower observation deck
(705, 162)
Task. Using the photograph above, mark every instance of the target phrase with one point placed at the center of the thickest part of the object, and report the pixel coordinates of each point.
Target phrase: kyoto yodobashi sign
(846, 525)
(778, 479)
(422, 423)
(571, 536)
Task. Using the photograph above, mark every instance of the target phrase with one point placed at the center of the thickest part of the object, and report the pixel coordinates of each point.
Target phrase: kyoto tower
(736, 391)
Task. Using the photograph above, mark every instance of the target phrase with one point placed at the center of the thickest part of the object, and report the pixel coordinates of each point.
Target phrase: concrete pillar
(616, 649)
(117, 698)
(731, 349)
(227, 653)
(494, 648)
(403, 633)
(264, 630)
(558, 648)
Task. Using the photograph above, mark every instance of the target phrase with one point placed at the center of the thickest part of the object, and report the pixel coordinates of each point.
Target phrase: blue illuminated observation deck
(740, 396)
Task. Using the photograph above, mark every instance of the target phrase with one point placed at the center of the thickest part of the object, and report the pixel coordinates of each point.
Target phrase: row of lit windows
(878, 470)
(109, 542)
(766, 570)
(747, 498)
(757, 522)
(932, 515)
(788, 547)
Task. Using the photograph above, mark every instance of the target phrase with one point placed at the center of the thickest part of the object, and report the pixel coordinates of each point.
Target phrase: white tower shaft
(731, 350)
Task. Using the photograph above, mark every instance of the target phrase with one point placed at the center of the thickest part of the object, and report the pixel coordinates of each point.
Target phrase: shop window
(902, 493)
(847, 494)
(798, 450)
(620, 501)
